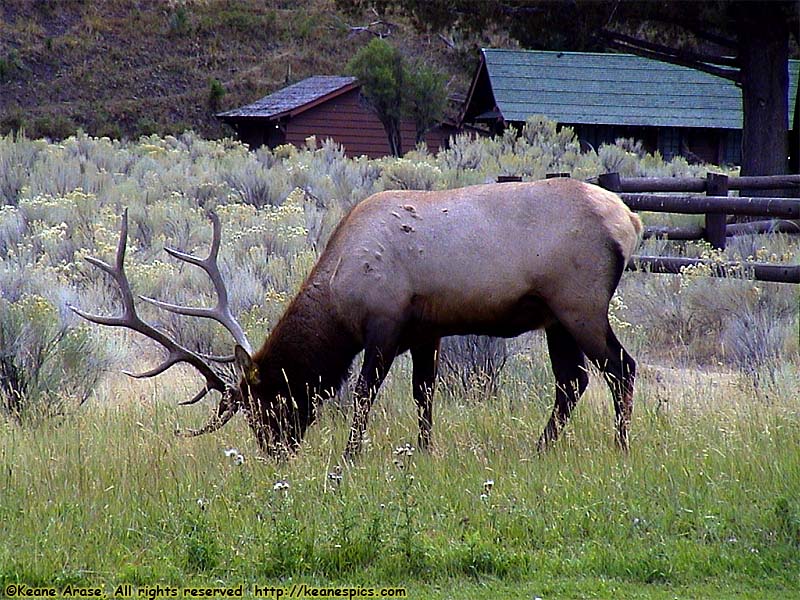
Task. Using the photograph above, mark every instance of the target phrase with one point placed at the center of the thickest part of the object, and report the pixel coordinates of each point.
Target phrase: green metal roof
(614, 89)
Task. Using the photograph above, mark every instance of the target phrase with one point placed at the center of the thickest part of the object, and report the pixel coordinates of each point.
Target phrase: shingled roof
(605, 89)
(295, 98)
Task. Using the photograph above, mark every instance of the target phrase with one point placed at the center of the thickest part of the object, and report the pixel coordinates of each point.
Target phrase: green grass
(706, 505)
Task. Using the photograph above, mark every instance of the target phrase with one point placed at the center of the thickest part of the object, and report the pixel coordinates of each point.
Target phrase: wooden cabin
(324, 107)
(675, 110)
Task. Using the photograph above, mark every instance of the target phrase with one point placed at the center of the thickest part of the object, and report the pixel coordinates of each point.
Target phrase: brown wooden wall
(346, 120)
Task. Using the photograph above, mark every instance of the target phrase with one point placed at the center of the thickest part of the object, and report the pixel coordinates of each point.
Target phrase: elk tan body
(405, 268)
(471, 260)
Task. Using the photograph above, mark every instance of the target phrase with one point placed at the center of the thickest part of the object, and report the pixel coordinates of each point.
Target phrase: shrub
(254, 184)
(473, 362)
(56, 127)
(178, 24)
(47, 366)
(408, 174)
(146, 126)
(216, 91)
(61, 202)
(10, 66)
(732, 321)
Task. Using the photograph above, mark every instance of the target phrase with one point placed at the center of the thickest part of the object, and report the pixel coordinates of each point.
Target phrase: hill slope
(127, 68)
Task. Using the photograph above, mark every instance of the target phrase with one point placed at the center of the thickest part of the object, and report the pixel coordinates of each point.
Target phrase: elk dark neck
(309, 352)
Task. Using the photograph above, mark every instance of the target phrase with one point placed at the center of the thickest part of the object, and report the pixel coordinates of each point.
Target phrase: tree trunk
(392, 129)
(763, 37)
(794, 136)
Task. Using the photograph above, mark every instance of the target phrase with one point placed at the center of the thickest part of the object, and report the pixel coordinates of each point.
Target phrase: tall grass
(708, 495)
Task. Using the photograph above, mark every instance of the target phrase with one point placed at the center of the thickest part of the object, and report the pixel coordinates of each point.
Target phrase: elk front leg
(378, 357)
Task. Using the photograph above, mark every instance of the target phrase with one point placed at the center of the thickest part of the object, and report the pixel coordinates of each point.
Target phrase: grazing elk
(402, 270)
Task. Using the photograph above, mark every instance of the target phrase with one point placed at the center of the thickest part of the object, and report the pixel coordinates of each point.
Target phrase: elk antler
(176, 352)
(221, 312)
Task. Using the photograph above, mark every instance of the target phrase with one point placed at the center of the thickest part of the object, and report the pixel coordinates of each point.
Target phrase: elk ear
(245, 365)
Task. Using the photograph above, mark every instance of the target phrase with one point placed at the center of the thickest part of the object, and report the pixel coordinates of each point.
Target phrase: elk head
(233, 384)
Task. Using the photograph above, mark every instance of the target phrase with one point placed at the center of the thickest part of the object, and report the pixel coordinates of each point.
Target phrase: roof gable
(611, 89)
(295, 98)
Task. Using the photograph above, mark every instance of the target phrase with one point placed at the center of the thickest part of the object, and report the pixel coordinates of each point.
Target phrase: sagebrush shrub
(473, 361)
(48, 366)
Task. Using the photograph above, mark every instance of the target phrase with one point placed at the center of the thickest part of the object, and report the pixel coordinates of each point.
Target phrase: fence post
(716, 185)
(610, 181)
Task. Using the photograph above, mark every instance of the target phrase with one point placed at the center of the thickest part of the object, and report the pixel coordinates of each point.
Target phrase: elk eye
(251, 375)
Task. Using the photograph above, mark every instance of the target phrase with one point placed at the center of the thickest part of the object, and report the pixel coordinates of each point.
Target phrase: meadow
(97, 490)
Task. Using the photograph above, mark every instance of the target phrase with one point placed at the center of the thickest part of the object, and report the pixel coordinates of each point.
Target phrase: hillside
(127, 68)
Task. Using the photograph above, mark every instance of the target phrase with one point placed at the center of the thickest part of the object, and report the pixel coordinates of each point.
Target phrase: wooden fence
(669, 194)
(658, 195)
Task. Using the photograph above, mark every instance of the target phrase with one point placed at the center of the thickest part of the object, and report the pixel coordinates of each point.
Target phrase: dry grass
(130, 70)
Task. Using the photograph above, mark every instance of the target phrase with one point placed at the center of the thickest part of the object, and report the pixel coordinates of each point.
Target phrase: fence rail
(748, 270)
(615, 183)
(785, 208)
(698, 232)
(716, 205)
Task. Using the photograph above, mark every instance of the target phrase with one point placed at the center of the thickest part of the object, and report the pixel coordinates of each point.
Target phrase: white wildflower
(237, 458)
(404, 450)
(336, 475)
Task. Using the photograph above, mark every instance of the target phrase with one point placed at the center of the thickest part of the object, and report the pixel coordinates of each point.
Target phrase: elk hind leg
(425, 357)
(619, 371)
(569, 367)
(593, 333)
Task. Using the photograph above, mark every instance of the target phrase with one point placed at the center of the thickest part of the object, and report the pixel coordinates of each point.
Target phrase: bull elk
(402, 270)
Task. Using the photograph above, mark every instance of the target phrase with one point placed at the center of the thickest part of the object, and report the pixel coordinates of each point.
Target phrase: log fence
(669, 194)
(660, 195)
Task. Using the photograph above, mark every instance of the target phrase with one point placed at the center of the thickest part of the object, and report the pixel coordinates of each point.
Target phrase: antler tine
(131, 320)
(171, 360)
(227, 358)
(197, 397)
(215, 423)
(221, 312)
(117, 272)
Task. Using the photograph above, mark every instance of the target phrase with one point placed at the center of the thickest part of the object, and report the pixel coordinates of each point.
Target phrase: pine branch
(714, 65)
(687, 55)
